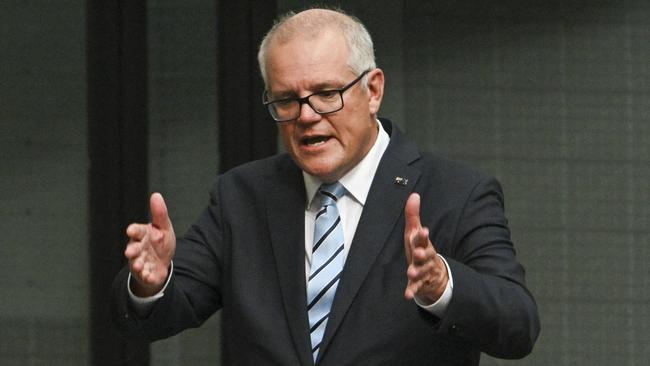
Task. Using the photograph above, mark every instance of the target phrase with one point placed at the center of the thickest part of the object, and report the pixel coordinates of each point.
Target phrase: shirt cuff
(142, 304)
(439, 308)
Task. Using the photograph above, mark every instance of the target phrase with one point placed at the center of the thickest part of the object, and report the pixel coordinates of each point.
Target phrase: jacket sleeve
(490, 306)
(194, 290)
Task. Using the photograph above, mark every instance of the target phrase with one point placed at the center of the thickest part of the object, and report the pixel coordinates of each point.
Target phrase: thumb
(412, 212)
(159, 216)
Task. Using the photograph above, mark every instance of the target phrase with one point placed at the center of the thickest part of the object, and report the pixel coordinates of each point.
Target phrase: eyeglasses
(322, 102)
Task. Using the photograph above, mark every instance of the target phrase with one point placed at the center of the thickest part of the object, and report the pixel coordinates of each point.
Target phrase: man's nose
(308, 114)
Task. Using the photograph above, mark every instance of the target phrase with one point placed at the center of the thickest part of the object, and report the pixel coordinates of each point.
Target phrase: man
(351, 249)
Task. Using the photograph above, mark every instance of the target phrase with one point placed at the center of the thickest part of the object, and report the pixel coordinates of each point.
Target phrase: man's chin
(323, 172)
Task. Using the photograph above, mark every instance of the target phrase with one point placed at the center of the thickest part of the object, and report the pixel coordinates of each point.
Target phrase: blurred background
(103, 102)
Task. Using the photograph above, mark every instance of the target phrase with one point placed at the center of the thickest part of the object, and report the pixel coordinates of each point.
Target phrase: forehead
(301, 61)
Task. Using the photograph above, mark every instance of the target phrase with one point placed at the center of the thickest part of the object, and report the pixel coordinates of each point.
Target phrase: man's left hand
(427, 272)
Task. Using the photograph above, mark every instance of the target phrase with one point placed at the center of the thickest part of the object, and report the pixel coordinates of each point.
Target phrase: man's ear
(375, 89)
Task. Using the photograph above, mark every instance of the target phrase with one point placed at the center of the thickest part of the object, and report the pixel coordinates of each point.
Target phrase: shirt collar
(358, 180)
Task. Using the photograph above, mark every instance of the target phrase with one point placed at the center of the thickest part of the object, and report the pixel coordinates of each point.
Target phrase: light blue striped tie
(326, 263)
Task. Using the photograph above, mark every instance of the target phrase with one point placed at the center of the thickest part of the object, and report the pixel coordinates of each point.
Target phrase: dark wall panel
(183, 138)
(247, 131)
(44, 309)
(551, 98)
(117, 148)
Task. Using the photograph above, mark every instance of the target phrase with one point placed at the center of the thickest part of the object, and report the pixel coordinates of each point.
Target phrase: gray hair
(311, 24)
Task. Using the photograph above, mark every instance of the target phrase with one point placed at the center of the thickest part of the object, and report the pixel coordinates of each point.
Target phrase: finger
(420, 238)
(421, 280)
(412, 212)
(159, 215)
(420, 272)
(412, 289)
(139, 268)
(420, 256)
(411, 222)
(424, 254)
(133, 249)
(136, 264)
(149, 273)
(145, 274)
(155, 235)
(137, 231)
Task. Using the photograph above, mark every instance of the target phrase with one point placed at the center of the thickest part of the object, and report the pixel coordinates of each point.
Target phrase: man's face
(326, 146)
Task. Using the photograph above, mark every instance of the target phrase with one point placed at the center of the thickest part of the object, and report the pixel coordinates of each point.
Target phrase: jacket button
(456, 330)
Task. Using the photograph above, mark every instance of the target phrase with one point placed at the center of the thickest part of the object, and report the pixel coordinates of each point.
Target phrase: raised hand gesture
(427, 273)
(150, 249)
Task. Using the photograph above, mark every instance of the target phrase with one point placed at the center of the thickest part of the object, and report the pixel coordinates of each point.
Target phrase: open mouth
(315, 140)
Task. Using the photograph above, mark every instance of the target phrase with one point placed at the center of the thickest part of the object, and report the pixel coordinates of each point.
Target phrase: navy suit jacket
(245, 256)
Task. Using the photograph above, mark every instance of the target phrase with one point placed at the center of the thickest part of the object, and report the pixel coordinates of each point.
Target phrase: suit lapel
(384, 206)
(285, 205)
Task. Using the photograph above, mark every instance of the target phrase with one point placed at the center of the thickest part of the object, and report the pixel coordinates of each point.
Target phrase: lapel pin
(401, 181)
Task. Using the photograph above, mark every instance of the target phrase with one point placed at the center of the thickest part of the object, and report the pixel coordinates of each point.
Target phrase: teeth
(315, 141)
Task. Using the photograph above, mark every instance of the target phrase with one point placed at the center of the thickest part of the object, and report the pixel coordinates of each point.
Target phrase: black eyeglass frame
(305, 99)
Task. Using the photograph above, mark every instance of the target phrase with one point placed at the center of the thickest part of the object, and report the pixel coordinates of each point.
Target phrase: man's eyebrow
(282, 94)
(320, 86)
(329, 84)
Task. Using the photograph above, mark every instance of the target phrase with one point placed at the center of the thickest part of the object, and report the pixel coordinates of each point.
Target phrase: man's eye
(328, 94)
(285, 103)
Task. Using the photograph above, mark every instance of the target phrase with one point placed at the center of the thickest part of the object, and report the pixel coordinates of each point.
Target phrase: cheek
(356, 138)
(286, 132)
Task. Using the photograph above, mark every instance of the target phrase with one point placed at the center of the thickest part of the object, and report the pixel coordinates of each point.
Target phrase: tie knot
(331, 192)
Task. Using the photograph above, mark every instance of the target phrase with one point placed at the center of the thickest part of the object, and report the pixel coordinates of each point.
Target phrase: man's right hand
(150, 249)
